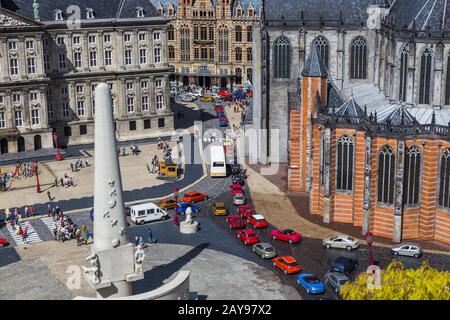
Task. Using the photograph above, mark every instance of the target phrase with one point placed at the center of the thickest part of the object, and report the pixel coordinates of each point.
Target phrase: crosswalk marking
(48, 221)
(32, 237)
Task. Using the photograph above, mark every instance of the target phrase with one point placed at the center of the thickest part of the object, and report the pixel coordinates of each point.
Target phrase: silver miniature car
(265, 250)
(336, 280)
(407, 249)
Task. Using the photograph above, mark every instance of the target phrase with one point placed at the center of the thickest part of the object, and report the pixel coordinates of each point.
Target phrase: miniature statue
(139, 257)
(189, 215)
(93, 271)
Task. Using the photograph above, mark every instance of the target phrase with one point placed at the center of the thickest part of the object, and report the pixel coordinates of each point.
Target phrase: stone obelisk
(113, 254)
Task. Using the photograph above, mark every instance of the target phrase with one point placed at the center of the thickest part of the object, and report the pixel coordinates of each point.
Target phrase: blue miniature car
(182, 206)
(311, 283)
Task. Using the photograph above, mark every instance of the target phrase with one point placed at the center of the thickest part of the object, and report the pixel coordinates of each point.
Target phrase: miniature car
(220, 115)
(247, 236)
(336, 280)
(407, 249)
(246, 211)
(311, 283)
(342, 241)
(194, 196)
(287, 264)
(167, 204)
(257, 221)
(223, 93)
(236, 188)
(236, 222)
(184, 205)
(286, 235)
(3, 242)
(219, 209)
(265, 250)
(238, 199)
(344, 265)
(218, 108)
(207, 99)
(235, 168)
(238, 179)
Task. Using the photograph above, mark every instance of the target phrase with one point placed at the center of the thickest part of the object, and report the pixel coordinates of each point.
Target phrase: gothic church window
(425, 77)
(444, 183)
(171, 33)
(411, 183)
(282, 58)
(403, 73)
(322, 46)
(386, 175)
(344, 174)
(358, 58)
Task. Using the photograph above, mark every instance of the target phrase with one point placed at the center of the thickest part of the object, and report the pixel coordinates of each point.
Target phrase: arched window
(238, 31)
(425, 77)
(322, 46)
(171, 52)
(171, 33)
(282, 58)
(403, 73)
(358, 58)
(447, 83)
(344, 175)
(238, 52)
(238, 73)
(223, 44)
(386, 175)
(250, 75)
(411, 183)
(444, 183)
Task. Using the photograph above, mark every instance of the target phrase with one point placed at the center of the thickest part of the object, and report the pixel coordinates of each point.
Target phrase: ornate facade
(365, 90)
(53, 55)
(210, 43)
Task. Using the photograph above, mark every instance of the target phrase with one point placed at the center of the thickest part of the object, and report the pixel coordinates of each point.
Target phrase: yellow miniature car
(207, 99)
(219, 209)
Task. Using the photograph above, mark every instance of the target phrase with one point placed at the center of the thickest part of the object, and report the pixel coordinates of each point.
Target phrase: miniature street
(221, 266)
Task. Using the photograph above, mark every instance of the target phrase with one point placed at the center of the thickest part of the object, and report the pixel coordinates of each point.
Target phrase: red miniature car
(257, 221)
(287, 263)
(236, 222)
(3, 242)
(248, 236)
(219, 108)
(223, 93)
(236, 188)
(246, 211)
(286, 235)
(194, 196)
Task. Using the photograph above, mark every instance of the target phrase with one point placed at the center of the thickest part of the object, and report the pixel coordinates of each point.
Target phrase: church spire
(314, 66)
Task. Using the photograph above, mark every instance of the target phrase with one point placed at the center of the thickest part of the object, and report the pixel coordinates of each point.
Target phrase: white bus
(218, 165)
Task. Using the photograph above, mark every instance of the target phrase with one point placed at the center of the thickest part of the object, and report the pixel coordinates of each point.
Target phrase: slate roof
(400, 116)
(334, 97)
(103, 9)
(431, 15)
(350, 109)
(314, 66)
(354, 11)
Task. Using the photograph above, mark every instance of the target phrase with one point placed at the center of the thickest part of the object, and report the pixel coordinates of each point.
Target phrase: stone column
(4, 60)
(85, 53)
(69, 53)
(152, 95)
(138, 97)
(22, 57)
(101, 52)
(340, 59)
(411, 74)
(39, 57)
(376, 67)
(118, 44)
(367, 173)
(88, 100)
(9, 109)
(26, 109)
(136, 55)
(122, 100)
(398, 196)
(72, 100)
(164, 49)
(44, 108)
(166, 102)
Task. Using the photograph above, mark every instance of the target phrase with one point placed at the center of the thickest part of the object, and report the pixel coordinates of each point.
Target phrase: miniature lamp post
(59, 157)
(369, 239)
(175, 196)
(38, 185)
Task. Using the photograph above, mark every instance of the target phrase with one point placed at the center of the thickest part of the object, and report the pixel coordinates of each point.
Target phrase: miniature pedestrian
(32, 211)
(56, 182)
(87, 235)
(141, 242)
(49, 195)
(71, 167)
(49, 210)
(150, 236)
(136, 241)
(27, 212)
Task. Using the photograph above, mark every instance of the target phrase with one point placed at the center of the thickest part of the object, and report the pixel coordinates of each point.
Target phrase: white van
(218, 165)
(147, 212)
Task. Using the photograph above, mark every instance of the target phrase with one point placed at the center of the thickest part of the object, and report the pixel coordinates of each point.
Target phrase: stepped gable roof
(433, 15)
(314, 66)
(354, 11)
(103, 9)
(400, 116)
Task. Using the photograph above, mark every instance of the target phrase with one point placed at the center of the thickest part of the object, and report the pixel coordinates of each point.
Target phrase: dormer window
(89, 13)
(250, 12)
(239, 12)
(170, 12)
(140, 12)
(58, 15)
